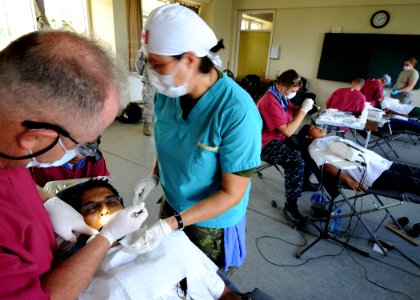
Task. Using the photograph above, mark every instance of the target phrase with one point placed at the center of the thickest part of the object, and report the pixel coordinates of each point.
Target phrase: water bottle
(335, 223)
(318, 205)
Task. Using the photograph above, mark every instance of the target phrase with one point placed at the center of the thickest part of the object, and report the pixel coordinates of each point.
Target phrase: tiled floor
(327, 271)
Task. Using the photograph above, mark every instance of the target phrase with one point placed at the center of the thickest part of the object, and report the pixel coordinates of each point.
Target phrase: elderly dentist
(52, 104)
(207, 136)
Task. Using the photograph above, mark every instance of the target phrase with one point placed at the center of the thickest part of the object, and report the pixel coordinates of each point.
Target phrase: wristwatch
(179, 220)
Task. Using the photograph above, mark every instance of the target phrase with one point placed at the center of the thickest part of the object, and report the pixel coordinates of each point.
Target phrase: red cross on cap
(145, 36)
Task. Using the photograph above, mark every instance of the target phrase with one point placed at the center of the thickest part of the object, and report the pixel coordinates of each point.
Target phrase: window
(18, 17)
(148, 5)
(256, 21)
(250, 25)
(68, 15)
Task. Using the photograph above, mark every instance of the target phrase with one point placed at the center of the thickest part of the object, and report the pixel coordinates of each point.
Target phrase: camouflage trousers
(209, 240)
(278, 152)
(148, 102)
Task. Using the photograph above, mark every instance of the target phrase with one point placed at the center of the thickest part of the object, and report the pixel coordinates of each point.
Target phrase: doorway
(253, 43)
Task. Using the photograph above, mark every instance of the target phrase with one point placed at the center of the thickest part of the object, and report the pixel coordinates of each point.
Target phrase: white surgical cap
(387, 79)
(174, 29)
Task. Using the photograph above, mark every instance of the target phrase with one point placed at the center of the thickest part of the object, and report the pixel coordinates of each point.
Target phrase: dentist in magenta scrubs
(207, 136)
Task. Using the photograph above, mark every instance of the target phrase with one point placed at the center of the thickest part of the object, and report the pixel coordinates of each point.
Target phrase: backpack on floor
(131, 114)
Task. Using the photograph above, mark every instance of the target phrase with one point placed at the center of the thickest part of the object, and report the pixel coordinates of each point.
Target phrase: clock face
(379, 19)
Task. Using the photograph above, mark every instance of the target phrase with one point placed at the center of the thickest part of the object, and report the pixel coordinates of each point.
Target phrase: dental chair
(354, 205)
(397, 127)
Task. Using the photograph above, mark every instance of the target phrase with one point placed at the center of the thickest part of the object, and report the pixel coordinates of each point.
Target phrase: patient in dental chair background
(174, 270)
(374, 171)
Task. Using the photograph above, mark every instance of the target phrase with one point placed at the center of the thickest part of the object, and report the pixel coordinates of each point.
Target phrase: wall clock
(379, 19)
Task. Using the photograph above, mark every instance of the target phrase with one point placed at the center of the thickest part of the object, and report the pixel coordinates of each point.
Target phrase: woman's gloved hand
(146, 239)
(124, 222)
(66, 220)
(144, 187)
(395, 92)
(307, 105)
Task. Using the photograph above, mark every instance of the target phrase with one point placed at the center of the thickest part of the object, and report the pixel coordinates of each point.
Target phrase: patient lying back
(153, 275)
(371, 170)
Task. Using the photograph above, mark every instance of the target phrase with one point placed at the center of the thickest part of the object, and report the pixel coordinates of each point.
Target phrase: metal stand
(325, 234)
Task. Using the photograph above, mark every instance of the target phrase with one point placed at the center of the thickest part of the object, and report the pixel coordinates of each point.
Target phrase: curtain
(134, 28)
(195, 8)
(41, 18)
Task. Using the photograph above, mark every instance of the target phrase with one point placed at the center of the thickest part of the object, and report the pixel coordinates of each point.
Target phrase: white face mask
(164, 83)
(291, 95)
(68, 155)
(407, 68)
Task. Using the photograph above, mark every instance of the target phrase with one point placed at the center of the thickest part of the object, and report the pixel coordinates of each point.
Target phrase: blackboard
(346, 56)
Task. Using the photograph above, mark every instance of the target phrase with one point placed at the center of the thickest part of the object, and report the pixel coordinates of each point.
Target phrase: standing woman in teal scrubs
(207, 137)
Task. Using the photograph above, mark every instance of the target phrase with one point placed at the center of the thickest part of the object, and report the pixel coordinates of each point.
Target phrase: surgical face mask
(68, 155)
(164, 83)
(407, 68)
(291, 95)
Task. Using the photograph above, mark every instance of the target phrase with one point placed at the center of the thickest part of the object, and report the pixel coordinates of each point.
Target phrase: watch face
(380, 19)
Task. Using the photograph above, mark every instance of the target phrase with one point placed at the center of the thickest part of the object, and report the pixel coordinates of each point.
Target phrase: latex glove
(395, 92)
(385, 92)
(307, 105)
(66, 220)
(124, 222)
(144, 187)
(146, 239)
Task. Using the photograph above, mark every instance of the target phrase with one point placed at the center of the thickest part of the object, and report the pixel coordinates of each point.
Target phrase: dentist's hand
(307, 105)
(66, 220)
(144, 187)
(124, 222)
(146, 240)
(395, 92)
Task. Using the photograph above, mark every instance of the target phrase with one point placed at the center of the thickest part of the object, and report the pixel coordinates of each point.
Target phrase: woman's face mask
(407, 68)
(164, 84)
(289, 95)
(68, 155)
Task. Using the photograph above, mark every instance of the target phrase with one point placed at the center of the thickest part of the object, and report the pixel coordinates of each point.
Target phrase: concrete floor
(327, 271)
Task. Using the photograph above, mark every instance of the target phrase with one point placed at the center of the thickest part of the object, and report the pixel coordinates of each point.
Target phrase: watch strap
(180, 222)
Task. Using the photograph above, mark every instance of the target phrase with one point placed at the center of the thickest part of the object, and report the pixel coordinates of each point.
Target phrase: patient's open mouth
(104, 219)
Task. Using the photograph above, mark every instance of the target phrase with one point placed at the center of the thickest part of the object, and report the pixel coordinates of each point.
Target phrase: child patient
(176, 269)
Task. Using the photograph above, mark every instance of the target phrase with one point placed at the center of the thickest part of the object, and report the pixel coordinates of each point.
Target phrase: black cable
(375, 283)
(290, 243)
(386, 263)
(406, 257)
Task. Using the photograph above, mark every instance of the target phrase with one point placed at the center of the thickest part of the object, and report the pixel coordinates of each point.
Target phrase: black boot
(292, 214)
(308, 186)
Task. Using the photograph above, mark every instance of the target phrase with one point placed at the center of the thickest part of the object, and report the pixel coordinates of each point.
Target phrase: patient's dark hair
(304, 131)
(73, 194)
(302, 136)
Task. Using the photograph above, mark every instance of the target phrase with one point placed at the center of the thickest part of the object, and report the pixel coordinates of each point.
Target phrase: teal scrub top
(221, 134)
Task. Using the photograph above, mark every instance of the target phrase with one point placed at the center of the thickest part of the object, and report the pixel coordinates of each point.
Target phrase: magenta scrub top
(27, 240)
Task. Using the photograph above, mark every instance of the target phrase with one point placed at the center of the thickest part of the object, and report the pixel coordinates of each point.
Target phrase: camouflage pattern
(277, 152)
(148, 91)
(209, 240)
(148, 99)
